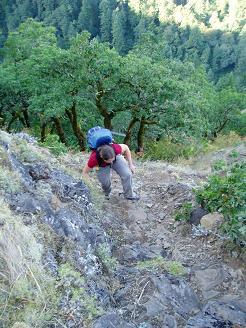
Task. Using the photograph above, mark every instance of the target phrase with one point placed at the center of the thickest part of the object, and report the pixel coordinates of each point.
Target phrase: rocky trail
(144, 231)
(143, 268)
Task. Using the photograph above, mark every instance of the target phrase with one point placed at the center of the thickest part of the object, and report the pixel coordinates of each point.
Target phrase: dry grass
(23, 291)
(224, 141)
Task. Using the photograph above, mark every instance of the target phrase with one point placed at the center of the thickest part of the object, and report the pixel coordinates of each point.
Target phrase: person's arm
(127, 153)
(86, 170)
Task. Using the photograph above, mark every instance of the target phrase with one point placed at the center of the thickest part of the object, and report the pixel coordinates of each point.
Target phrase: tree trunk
(140, 136)
(43, 131)
(221, 127)
(128, 136)
(72, 115)
(26, 117)
(107, 117)
(141, 131)
(59, 130)
(108, 122)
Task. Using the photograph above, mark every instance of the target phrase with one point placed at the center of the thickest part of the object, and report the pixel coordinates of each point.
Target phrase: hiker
(110, 156)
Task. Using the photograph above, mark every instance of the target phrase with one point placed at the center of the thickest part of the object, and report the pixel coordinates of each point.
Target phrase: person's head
(107, 153)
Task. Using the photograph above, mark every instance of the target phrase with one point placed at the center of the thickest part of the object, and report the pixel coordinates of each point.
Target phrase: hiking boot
(136, 197)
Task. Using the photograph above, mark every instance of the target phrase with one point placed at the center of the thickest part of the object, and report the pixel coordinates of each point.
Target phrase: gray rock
(50, 262)
(26, 137)
(212, 220)
(25, 203)
(172, 296)
(196, 215)
(220, 314)
(134, 253)
(39, 172)
(209, 279)
(110, 320)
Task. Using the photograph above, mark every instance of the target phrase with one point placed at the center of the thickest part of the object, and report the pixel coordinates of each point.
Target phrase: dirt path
(146, 230)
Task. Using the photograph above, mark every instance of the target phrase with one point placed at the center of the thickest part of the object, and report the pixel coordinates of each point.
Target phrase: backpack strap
(100, 161)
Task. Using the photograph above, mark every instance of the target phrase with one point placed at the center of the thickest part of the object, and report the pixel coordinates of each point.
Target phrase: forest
(151, 70)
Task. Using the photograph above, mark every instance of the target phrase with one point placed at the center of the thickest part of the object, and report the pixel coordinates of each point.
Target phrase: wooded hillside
(204, 32)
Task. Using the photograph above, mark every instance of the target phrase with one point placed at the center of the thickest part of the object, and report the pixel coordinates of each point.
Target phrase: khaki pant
(120, 166)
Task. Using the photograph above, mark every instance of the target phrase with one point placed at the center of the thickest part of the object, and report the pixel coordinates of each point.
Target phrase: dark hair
(106, 152)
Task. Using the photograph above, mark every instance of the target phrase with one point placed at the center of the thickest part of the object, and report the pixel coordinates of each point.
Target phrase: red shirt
(92, 162)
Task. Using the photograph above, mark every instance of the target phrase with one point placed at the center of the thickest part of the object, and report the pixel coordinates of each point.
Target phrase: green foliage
(219, 165)
(30, 36)
(22, 150)
(225, 192)
(212, 35)
(67, 270)
(89, 17)
(235, 228)
(72, 279)
(159, 263)
(237, 124)
(34, 310)
(168, 150)
(106, 12)
(183, 214)
(53, 143)
(109, 263)
(66, 91)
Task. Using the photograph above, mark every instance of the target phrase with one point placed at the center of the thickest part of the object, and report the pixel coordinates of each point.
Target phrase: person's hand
(132, 168)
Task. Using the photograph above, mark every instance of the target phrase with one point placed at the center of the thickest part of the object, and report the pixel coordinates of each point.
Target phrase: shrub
(53, 143)
(225, 192)
(169, 150)
(235, 228)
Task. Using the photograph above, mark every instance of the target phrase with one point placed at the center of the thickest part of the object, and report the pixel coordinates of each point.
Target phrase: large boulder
(212, 221)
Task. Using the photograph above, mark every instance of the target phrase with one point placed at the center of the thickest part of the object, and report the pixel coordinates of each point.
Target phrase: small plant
(159, 263)
(4, 161)
(110, 263)
(175, 268)
(183, 214)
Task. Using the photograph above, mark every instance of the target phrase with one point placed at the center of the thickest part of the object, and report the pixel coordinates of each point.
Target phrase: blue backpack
(98, 136)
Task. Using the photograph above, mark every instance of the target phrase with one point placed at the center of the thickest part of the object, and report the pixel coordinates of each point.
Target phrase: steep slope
(108, 263)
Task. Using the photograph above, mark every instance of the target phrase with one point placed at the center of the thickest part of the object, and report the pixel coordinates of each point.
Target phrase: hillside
(70, 258)
(211, 33)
